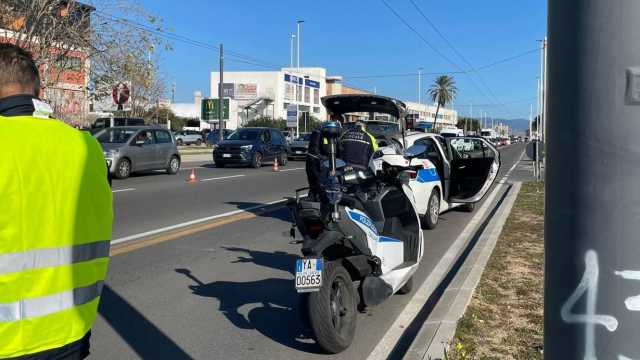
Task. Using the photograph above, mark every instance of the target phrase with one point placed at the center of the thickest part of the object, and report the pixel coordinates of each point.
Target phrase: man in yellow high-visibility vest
(55, 222)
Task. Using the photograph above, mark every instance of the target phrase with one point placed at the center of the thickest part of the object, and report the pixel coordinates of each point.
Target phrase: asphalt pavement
(227, 292)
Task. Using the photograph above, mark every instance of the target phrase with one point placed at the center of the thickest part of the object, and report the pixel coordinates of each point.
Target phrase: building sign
(246, 91)
(311, 83)
(210, 109)
(228, 90)
(294, 79)
(292, 116)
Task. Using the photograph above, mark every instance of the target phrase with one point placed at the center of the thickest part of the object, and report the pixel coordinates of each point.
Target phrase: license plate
(226, 155)
(298, 152)
(308, 274)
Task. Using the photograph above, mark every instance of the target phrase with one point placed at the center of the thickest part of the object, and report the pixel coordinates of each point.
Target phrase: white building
(268, 93)
(424, 113)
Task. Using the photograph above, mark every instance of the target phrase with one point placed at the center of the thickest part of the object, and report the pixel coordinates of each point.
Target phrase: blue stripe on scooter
(319, 265)
(427, 175)
(387, 239)
(299, 265)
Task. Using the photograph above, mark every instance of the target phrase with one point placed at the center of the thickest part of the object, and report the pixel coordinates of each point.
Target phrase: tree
(469, 124)
(66, 34)
(309, 125)
(265, 121)
(442, 92)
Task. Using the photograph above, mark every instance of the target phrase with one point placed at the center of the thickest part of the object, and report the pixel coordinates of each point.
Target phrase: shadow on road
(273, 311)
(278, 260)
(146, 339)
(280, 213)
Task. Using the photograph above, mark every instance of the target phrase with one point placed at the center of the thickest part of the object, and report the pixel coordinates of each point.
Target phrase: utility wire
(458, 53)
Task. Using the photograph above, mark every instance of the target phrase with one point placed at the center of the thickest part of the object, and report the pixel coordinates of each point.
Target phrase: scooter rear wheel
(332, 310)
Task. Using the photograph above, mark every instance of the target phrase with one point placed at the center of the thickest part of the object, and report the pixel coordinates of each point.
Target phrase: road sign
(292, 116)
(210, 109)
(120, 94)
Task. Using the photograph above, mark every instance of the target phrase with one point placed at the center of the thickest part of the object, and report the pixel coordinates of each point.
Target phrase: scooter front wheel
(332, 310)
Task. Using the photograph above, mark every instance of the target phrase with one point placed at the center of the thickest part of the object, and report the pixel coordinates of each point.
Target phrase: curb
(437, 332)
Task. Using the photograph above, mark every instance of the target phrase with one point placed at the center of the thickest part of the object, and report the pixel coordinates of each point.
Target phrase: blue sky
(362, 37)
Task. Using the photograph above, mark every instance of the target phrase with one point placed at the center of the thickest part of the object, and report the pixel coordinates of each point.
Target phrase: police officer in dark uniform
(357, 146)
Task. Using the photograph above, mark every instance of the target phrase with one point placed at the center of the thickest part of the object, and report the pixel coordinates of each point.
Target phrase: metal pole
(592, 196)
(298, 41)
(293, 36)
(221, 96)
(420, 86)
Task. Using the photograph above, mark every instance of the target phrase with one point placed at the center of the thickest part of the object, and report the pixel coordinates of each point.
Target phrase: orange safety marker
(192, 177)
(275, 166)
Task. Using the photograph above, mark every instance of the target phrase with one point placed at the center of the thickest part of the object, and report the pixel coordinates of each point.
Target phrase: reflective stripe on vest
(41, 258)
(45, 305)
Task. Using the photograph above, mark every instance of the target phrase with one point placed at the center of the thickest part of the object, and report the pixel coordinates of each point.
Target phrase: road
(226, 292)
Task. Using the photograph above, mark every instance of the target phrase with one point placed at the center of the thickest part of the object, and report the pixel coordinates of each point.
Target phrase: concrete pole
(592, 195)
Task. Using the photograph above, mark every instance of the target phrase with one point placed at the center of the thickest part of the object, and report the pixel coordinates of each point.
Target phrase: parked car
(214, 136)
(298, 147)
(252, 147)
(103, 123)
(188, 137)
(138, 148)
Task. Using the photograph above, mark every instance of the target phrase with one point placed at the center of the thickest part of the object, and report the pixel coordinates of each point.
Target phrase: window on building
(69, 63)
(299, 97)
(316, 109)
(307, 94)
(316, 96)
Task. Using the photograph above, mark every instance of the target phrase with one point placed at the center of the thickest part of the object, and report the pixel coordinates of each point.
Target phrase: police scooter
(361, 244)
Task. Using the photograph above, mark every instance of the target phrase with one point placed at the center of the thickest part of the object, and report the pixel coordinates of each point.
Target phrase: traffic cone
(192, 177)
(275, 166)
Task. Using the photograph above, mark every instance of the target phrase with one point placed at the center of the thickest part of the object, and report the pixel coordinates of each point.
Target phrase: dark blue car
(251, 147)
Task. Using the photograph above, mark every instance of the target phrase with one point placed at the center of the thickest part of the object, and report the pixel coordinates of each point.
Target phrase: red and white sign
(120, 94)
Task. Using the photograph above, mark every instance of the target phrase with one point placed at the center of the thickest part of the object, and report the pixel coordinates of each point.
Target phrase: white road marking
(292, 169)
(222, 178)
(192, 222)
(420, 297)
(122, 190)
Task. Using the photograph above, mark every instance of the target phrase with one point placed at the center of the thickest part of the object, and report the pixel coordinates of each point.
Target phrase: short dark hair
(18, 68)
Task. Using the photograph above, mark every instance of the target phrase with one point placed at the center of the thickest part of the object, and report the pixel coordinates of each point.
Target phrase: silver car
(140, 148)
(187, 137)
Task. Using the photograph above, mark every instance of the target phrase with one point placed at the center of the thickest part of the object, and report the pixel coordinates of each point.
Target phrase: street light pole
(298, 23)
(420, 85)
(592, 198)
(292, 36)
(221, 96)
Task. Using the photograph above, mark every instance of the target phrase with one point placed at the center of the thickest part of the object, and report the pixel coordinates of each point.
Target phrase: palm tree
(442, 91)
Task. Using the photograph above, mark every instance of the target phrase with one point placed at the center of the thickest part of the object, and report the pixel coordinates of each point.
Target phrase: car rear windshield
(245, 134)
(115, 136)
(486, 133)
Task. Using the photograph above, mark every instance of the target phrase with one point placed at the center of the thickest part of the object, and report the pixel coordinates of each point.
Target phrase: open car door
(474, 167)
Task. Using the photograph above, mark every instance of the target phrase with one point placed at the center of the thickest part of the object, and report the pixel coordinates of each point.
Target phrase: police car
(445, 173)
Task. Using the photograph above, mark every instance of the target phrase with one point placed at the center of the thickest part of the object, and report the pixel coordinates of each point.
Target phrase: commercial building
(424, 115)
(254, 94)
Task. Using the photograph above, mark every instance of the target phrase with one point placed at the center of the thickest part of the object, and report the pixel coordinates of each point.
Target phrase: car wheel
(256, 161)
(430, 219)
(123, 170)
(468, 207)
(282, 161)
(174, 165)
(198, 142)
(179, 142)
